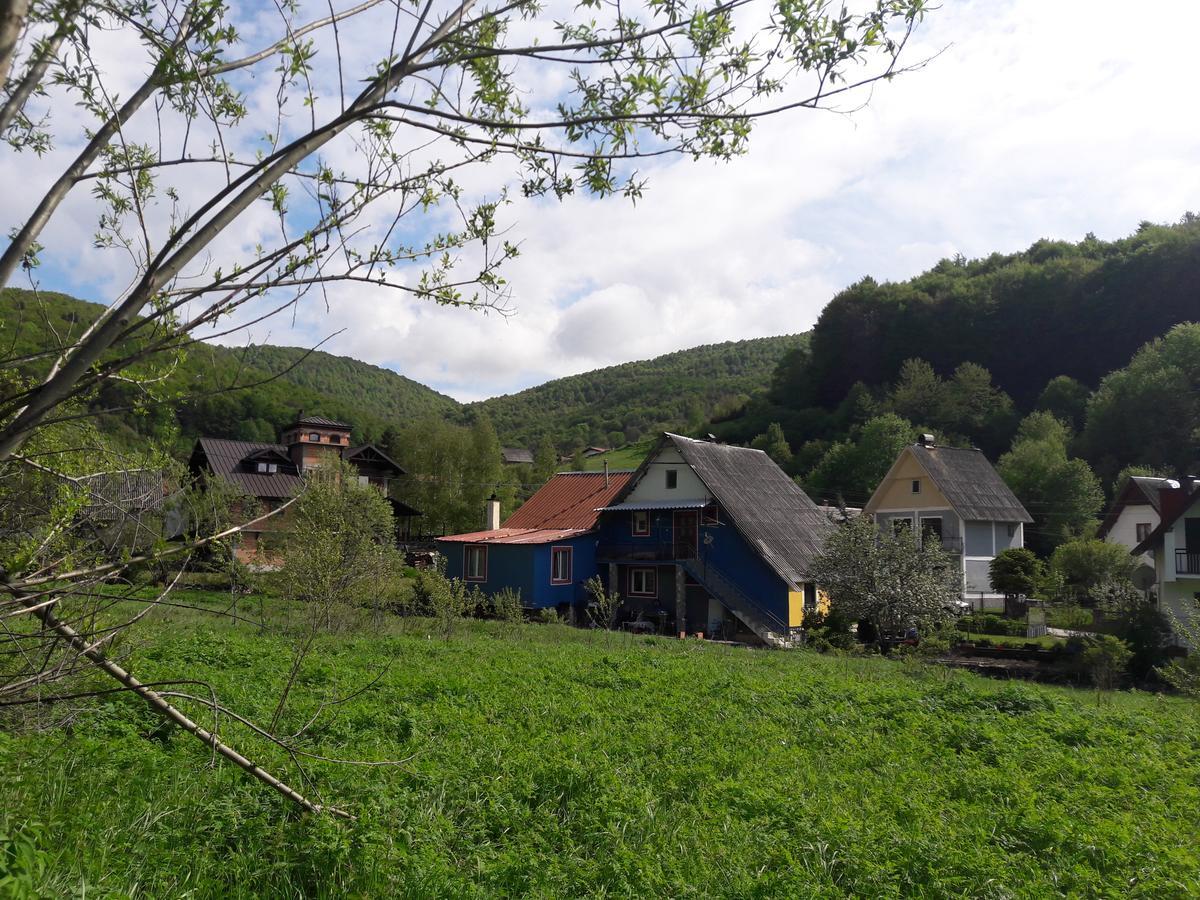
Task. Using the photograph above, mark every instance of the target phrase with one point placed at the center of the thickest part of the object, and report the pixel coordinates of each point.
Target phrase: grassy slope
(551, 762)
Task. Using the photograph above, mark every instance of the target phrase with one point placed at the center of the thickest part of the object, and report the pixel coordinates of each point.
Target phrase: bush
(1105, 658)
(988, 623)
(506, 605)
(548, 616)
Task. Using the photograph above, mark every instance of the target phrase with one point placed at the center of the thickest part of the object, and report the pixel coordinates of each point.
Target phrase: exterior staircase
(773, 631)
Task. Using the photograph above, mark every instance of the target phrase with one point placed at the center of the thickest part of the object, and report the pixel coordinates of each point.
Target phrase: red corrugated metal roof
(569, 500)
(515, 536)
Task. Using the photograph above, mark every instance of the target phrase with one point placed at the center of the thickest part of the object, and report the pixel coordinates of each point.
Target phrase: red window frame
(482, 548)
(570, 552)
(653, 592)
(634, 518)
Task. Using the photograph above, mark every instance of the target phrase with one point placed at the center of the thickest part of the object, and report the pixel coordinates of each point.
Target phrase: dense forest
(1070, 365)
(620, 404)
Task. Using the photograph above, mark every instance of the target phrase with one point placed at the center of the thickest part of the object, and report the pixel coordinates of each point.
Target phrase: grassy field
(549, 762)
(627, 457)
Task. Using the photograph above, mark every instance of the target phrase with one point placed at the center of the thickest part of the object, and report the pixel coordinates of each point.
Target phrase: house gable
(650, 482)
(895, 491)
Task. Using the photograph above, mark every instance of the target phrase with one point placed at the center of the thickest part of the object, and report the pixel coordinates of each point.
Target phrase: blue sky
(1037, 120)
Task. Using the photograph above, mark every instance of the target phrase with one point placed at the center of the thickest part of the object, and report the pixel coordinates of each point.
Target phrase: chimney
(926, 440)
(491, 513)
(606, 473)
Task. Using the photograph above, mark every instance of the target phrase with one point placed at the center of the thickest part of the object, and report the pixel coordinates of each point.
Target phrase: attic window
(1143, 531)
(916, 485)
(267, 468)
(672, 479)
(314, 436)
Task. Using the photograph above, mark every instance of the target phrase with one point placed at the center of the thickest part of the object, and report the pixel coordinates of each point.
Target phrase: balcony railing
(1187, 562)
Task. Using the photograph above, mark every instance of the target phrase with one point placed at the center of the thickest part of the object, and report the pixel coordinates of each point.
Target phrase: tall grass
(548, 761)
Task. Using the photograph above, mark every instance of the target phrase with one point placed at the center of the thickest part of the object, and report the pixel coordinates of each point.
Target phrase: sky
(1034, 120)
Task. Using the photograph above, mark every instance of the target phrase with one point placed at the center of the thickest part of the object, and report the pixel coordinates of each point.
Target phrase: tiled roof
(569, 500)
(773, 514)
(515, 536)
(970, 483)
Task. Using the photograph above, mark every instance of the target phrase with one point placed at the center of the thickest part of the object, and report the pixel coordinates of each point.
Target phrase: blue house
(546, 549)
(711, 538)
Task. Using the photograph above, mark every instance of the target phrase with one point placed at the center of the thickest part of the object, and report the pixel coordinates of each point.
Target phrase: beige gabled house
(953, 495)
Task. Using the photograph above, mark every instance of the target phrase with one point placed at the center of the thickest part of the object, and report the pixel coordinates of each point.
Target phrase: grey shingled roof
(114, 495)
(971, 485)
(1150, 486)
(224, 458)
(516, 455)
(321, 422)
(769, 509)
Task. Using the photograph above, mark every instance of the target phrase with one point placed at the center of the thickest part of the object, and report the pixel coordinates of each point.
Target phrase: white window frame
(644, 514)
(555, 554)
(649, 576)
(470, 550)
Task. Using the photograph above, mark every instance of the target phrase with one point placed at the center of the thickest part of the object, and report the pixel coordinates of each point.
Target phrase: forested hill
(285, 379)
(619, 404)
(675, 391)
(1059, 308)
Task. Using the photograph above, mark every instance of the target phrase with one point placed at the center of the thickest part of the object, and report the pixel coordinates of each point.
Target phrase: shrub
(603, 606)
(548, 616)
(506, 605)
(1105, 658)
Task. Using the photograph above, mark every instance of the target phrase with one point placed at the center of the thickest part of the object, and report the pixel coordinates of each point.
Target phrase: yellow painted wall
(795, 608)
(897, 492)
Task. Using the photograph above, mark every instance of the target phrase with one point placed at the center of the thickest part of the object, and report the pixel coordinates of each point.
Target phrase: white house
(1175, 547)
(1134, 514)
(955, 496)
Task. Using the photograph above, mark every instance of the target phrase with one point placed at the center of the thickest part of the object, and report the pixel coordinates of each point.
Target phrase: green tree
(1149, 412)
(338, 554)
(1066, 399)
(851, 470)
(919, 394)
(1085, 565)
(1015, 571)
(775, 445)
(890, 580)
(1061, 493)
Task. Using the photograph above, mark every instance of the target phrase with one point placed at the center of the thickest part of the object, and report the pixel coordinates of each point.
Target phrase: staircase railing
(734, 597)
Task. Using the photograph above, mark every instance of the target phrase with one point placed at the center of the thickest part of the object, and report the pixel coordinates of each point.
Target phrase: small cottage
(546, 549)
(954, 496)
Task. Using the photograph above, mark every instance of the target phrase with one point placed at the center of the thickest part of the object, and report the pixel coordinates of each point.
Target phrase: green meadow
(544, 761)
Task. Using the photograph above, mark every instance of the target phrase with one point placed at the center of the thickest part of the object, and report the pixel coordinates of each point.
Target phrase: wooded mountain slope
(621, 403)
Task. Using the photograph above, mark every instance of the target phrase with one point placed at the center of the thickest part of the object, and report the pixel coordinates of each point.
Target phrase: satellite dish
(1143, 577)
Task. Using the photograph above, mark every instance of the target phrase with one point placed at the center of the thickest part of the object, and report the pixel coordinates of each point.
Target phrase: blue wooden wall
(526, 567)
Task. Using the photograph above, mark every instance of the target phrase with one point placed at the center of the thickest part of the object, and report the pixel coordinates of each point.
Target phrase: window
(267, 468)
(560, 565)
(1012, 529)
(672, 479)
(314, 436)
(364, 479)
(899, 525)
(641, 522)
(475, 563)
(916, 485)
(1143, 531)
(932, 527)
(643, 582)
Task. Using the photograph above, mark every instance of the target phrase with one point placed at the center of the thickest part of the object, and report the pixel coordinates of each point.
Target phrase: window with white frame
(560, 565)
(641, 522)
(475, 562)
(643, 582)
(267, 468)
